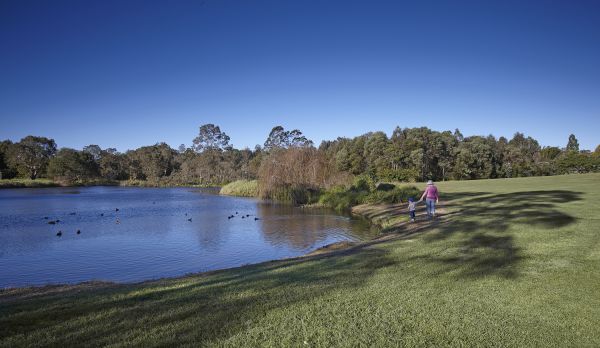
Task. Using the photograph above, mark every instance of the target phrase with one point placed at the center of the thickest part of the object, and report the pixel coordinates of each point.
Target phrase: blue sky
(130, 73)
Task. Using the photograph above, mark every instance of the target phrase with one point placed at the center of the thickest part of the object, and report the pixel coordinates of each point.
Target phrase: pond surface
(151, 236)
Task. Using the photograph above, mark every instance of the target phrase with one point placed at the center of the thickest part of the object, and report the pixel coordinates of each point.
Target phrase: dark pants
(412, 214)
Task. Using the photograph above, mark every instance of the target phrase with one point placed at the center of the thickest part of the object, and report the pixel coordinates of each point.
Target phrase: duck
(236, 213)
(116, 209)
(247, 215)
(243, 217)
(51, 222)
(101, 214)
(73, 213)
(45, 218)
(190, 219)
(256, 219)
(78, 231)
(59, 233)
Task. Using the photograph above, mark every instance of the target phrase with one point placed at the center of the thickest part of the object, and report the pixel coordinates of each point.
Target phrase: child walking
(411, 209)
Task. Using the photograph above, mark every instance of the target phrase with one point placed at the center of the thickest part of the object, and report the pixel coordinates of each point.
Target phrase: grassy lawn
(513, 262)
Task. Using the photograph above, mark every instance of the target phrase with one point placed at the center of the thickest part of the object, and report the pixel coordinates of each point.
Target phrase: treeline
(288, 164)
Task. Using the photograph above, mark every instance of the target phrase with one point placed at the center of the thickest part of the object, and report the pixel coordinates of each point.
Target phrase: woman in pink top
(431, 198)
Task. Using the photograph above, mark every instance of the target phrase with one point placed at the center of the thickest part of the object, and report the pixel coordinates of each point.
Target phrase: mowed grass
(514, 262)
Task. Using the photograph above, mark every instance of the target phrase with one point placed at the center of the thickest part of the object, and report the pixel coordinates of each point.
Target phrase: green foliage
(70, 166)
(210, 137)
(363, 182)
(577, 162)
(279, 138)
(396, 195)
(241, 188)
(573, 144)
(18, 183)
(293, 168)
(31, 155)
(295, 195)
(340, 198)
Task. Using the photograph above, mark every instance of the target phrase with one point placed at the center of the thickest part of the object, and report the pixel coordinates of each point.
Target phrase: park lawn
(514, 262)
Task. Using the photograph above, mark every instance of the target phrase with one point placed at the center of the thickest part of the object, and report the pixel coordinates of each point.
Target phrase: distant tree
(210, 137)
(597, 151)
(549, 153)
(71, 165)
(181, 148)
(473, 159)
(152, 162)
(521, 155)
(30, 156)
(6, 172)
(93, 150)
(282, 139)
(113, 165)
(458, 135)
(573, 144)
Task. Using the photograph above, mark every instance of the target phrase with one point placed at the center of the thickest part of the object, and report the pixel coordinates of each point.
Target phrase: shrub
(242, 188)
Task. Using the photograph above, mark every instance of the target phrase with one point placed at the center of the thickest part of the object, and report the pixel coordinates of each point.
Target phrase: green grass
(19, 183)
(241, 188)
(515, 262)
(341, 199)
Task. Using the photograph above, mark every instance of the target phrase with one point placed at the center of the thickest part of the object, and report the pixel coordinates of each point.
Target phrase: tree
(152, 162)
(282, 139)
(113, 165)
(72, 165)
(573, 144)
(7, 171)
(549, 153)
(31, 155)
(210, 137)
(93, 150)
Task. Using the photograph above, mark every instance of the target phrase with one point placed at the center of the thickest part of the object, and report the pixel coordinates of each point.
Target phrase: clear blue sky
(130, 73)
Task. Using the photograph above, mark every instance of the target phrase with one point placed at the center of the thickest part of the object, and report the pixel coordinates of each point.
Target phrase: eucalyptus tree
(30, 156)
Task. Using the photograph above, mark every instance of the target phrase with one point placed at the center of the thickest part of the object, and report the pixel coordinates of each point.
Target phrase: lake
(151, 235)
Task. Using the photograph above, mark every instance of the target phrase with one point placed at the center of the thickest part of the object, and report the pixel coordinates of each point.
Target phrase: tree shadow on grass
(481, 224)
(196, 309)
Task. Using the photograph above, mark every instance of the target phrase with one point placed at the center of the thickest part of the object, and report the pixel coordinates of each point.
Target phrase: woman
(431, 198)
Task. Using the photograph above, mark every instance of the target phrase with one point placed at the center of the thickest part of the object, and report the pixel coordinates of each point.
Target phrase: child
(411, 209)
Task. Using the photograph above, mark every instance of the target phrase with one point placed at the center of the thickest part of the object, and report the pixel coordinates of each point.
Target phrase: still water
(151, 235)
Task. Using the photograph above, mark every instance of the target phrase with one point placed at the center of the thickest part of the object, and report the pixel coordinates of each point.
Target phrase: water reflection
(154, 237)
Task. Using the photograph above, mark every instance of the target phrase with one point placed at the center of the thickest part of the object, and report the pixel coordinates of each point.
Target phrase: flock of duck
(243, 216)
(118, 221)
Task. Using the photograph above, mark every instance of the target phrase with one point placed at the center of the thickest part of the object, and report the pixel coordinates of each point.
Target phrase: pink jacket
(431, 192)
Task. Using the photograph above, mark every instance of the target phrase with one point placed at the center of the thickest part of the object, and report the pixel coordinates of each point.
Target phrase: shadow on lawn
(196, 309)
(480, 223)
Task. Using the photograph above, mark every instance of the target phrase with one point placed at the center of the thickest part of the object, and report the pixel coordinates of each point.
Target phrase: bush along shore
(510, 262)
(364, 190)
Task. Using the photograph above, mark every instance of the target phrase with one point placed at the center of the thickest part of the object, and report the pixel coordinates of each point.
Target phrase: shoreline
(330, 250)
(19, 184)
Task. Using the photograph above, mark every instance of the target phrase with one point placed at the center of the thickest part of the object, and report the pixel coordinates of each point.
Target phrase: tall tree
(282, 139)
(31, 155)
(210, 137)
(93, 150)
(573, 144)
(72, 165)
